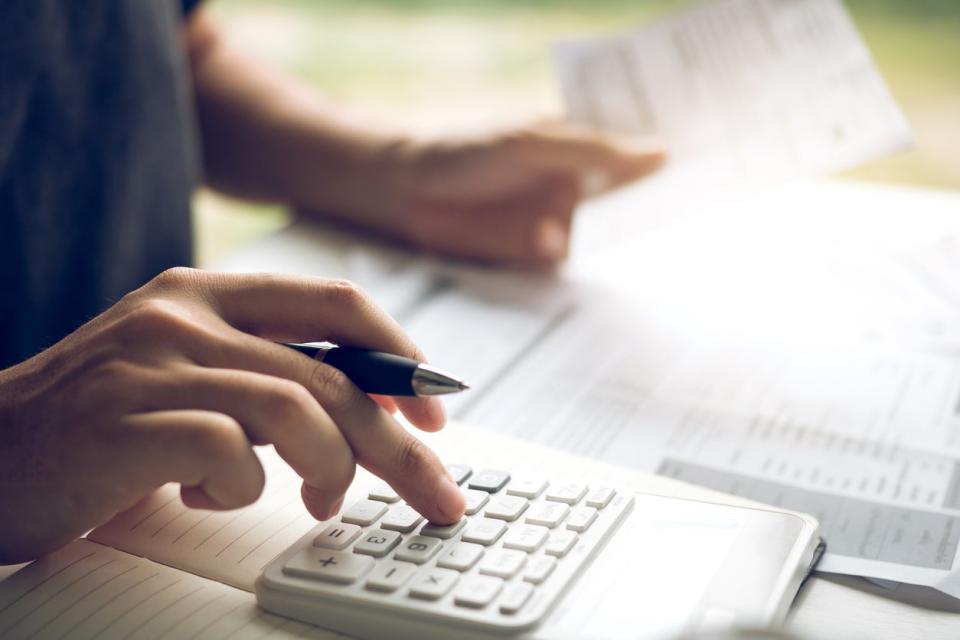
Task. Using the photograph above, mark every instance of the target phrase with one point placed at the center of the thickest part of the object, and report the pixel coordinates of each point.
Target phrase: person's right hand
(177, 381)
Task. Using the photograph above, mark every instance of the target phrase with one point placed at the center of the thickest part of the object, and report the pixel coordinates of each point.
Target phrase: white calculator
(381, 571)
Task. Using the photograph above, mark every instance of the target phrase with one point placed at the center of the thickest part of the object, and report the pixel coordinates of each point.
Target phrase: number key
(526, 488)
(506, 508)
(503, 563)
(402, 518)
(417, 549)
(525, 537)
(364, 512)
(484, 531)
(547, 514)
(377, 543)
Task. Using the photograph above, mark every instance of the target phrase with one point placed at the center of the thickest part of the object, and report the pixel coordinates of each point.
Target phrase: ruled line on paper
(50, 577)
(53, 595)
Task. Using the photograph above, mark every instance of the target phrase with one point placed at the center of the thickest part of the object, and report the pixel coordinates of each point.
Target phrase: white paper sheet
(742, 93)
(86, 590)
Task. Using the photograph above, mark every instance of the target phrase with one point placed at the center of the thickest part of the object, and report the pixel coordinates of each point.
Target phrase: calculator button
(569, 493)
(401, 518)
(525, 538)
(364, 512)
(417, 549)
(460, 557)
(377, 543)
(329, 566)
(433, 584)
(484, 531)
(507, 508)
(502, 563)
(526, 488)
(460, 472)
(600, 497)
(384, 493)
(475, 500)
(388, 576)
(477, 591)
(515, 596)
(444, 532)
(560, 542)
(337, 536)
(539, 569)
(547, 514)
(489, 480)
(581, 518)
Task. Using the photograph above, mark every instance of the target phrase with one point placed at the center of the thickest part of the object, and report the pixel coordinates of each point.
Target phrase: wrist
(365, 178)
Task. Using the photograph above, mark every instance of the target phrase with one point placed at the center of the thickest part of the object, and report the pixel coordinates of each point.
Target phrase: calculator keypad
(520, 537)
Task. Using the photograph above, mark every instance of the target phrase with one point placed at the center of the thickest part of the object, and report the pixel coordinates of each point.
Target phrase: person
(109, 110)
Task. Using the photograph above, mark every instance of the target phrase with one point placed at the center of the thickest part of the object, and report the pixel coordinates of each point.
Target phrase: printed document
(741, 93)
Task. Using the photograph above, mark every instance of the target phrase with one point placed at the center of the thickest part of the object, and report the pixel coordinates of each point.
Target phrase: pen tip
(464, 385)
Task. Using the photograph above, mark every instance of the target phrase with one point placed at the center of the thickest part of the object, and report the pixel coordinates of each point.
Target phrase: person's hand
(507, 198)
(177, 381)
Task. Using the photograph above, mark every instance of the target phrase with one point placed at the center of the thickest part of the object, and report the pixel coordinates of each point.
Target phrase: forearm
(265, 137)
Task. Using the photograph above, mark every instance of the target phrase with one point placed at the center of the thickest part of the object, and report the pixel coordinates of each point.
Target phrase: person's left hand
(507, 198)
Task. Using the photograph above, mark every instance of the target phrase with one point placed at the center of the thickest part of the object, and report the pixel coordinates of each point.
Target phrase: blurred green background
(435, 64)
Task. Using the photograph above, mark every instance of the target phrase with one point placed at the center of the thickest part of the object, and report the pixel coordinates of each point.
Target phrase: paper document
(742, 93)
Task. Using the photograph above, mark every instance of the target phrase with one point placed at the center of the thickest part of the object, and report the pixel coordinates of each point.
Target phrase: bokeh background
(447, 64)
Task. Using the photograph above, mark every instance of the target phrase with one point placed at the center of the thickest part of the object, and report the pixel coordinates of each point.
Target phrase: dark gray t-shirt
(97, 160)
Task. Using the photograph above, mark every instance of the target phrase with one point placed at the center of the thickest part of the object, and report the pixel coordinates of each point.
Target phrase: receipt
(743, 94)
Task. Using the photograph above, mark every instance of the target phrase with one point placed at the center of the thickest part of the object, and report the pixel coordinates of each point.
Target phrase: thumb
(570, 149)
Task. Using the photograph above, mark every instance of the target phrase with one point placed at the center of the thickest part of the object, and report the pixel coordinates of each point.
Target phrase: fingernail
(551, 239)
(335, 508)
(450, 500)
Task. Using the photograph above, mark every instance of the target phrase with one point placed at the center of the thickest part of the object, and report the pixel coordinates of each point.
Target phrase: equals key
(337, 536)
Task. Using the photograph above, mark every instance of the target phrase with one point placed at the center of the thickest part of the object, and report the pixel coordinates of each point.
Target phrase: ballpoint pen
(382, 373)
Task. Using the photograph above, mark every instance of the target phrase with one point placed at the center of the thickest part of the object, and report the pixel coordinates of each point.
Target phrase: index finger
(285, 308)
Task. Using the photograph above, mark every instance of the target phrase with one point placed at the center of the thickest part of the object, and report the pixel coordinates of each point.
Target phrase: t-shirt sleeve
(189, 5)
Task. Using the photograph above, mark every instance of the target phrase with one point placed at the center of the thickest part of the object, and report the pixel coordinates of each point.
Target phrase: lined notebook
(161, 570)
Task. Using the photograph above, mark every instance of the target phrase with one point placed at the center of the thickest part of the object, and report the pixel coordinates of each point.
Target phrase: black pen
(382, 373)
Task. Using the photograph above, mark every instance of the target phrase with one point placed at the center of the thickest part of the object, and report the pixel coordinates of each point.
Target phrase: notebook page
(86, 590)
